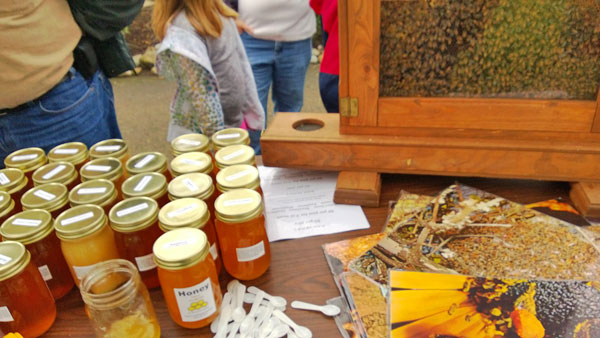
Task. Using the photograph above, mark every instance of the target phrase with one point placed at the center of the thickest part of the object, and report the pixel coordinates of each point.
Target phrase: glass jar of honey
(85, 238)
(57, 172)
(98, 192)
(26, 304)
(229, 137)
(75, 153)
(135, 223)
(117, 303)
(52, 197)
(27, 160)
(190, 143)
(105, 168)
(188, 277)
(14, 182)
(191, 213)
(115, 147)
(193, 162)
(241, 176)
(194, 185)
(242, 235)
(233, 155)
(149, 162)
(35, 229)
(7, 206)
(153, 185)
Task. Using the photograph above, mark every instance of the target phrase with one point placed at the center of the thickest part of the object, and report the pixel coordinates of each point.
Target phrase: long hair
(204, 15)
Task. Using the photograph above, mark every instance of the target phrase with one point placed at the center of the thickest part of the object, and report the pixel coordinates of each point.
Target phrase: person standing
(329, 74)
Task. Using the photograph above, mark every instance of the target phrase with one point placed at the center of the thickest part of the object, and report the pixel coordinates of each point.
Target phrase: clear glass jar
(75, 153)
(26, 304)
(117, 303)
(135, 223)
(153, 185)
(7, 206)
(85, 238)
(115, 147)
(191, 213)
(108, 168)
(241, 176)
(52, 197)
(27, 160)
(190, 143)
(193, 162)
(188, 277)
(97, 192)
(149, 162)
(242, 235)
(14, 182)
(229, 137)
(35, 229)
(234, 155)
(57, 172)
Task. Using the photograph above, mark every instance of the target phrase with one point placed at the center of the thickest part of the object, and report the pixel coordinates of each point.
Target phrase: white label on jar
(4, 259)
(26, 222)
(143, 162)
(143, 183)
(132, 209)
(91, 191)
(196, 302)
(238, 175)
(250, 253)
(227, 136)
(233, 155)
(44, 195)
(182, 211)
(175, 244)
(24, 157)
(193, 162)
(213, 251)
(66, 151)
(76, 219)
(5, 315)
(54, 172)
(190, 185)
(240, 201)
(107, 148)
(45, 272)
(102, 168)
(4, 180)
(145, 263)
(189, 142)
(1, 198)
(81, 271)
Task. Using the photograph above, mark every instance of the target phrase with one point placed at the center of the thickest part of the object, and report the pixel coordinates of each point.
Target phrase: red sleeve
(316, 6)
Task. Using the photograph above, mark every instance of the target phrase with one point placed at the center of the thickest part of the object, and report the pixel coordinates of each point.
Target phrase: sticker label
(54, 172)
(214, 252)
(4, 259)
(143, 162)
(179, 243)
(91, 191)
(179, 212)
(4, 180)
(106, 149)
(234, 155)
(26, 222)
(193, 162)
(100, 168)
(142, 183)
(240, 201)
(238, 175)
(227, 136)
(45, 272)
(145, 263)
(66, 151)
(81, 271)
(196, 302)
(190, 185)
(250, 253)
(24, 157)
(44, 195)
(1, 198)
(189, 142)
(76, 219)
(5, 315)
(132, 209)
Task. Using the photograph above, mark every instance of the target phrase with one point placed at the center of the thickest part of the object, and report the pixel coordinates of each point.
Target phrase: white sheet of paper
(299, 203)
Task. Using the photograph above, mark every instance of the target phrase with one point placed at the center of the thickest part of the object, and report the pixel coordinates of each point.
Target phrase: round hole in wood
(308, 125)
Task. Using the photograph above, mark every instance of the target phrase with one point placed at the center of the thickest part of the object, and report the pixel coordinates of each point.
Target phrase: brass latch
(349, 106)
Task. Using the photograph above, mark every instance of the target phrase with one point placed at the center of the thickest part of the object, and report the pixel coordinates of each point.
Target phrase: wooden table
(298, 268)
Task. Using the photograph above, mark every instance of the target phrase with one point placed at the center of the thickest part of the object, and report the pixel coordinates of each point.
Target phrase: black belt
(28, 104)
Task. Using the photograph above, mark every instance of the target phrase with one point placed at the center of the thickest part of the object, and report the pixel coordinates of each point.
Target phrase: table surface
(298, 268)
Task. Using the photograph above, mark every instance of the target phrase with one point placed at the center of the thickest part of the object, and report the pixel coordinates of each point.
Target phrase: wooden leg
(586, 197)
(359, 188)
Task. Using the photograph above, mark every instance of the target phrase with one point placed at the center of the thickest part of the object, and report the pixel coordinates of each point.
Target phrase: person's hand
(242, 27)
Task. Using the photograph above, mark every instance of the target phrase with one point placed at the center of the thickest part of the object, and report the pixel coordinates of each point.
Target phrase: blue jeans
(329, 85)
(74, 110)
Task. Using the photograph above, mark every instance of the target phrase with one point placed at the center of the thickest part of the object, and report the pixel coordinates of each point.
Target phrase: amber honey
(193, 162)
(57, 172)
(153, 185)
(108, 168)
(149, 162)
(14, 182)
(26, 160)
(52, 197)
(75, 153)
(97, 192)
(241, 176)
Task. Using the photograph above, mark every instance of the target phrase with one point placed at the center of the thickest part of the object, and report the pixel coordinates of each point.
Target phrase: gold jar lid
(180, 248)
(183, 213)
(27, 226)
(133, 214)
(6, 203)
(50, 196)
(191, 185)
(97, 192)
(13, 259)
(56, 172)
(190, 142)
(232, 155)
(109, 148)
(72, 152)
(192, 162)
(238, 206)
(153, 185)
(108, 168)
(229, 137)
(146, 163)
(12, 180)
(27, 159)
(241, 176)
(79, 222)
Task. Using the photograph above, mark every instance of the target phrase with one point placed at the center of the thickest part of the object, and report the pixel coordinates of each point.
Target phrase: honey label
(193, 162)
(106, 149)
(214, 252)
(4, 180)
(99, 168)
(142, 183)
(91, 191)
(196, 302)
(21, 158)
(145, 263)
(234, 155)
(1, 198)
(189, 142)
(45, 272)
(227, 136)
(66, 151)
(238, 175)
(179, 212)
(81, 271)
(250, 253)
(190, 184)
(26, 222)
(76, 219)
(44, 195)
(240, 201)
(176, 244)
(5, 315)
(132, 209)
(143, 162)
(4, 259)
(54, 172)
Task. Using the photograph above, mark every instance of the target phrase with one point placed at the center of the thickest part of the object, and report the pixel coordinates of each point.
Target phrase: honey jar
(135, 223)
(98, 192)
(233, 155)
(188, 277)
(242, 235)
(7, 206)
(57, 172)
(75, 153)
(115, 147)
(193, 162)
(150, 162)
(190, 143)
(35, 230)
(229, 137)
(153, 185)
(52, 197)
(194, 185)
(241, 176)
(191, 213)
(26, 304)
(27, 160)
(105, 168)
(85, 238)
(14, 182)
